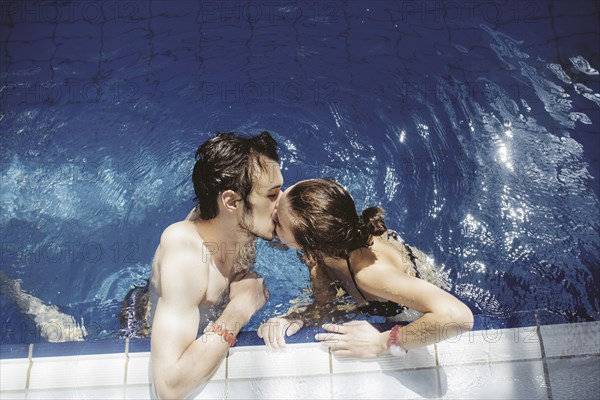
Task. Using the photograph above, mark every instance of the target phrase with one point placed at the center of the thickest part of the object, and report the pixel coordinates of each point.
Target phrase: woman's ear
(229, 200)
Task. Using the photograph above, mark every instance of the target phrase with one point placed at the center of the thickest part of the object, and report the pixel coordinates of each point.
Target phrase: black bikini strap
(413, 259)
(353, 278)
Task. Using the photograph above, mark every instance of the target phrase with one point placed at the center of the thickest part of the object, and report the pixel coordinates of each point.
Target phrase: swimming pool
(474, 125)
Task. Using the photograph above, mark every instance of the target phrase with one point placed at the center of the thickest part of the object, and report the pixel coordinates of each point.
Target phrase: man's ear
(229, 199)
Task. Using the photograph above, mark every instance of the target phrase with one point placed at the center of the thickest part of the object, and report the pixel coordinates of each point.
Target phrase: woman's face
(283, 225)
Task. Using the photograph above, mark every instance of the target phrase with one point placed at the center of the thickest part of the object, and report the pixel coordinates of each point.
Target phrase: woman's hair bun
(372, 221)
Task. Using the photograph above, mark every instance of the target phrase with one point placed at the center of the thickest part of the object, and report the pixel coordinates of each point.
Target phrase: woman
(318, 218)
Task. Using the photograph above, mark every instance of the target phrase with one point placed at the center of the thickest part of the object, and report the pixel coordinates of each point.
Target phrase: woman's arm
(444, 316)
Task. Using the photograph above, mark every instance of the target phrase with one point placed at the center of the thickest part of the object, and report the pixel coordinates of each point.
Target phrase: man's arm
(180, 362)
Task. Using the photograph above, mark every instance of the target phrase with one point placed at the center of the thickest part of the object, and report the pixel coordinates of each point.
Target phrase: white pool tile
(405, 384)
(511, 380)
(79, 371)
(490, 346)
(99, 393)
(575, 378)
(221, 372)
(51, 394)
(13, 374)
(261, 362)
(137, 392)
(138, 369)
(571, 339)
(418, 358)
(18, 395)
(213, 390)
(302, 387)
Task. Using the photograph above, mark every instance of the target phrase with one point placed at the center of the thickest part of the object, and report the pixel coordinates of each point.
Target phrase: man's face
(266, 191)
(283, 225)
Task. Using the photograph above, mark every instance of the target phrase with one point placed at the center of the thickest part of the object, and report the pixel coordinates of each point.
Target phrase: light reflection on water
(483, 177)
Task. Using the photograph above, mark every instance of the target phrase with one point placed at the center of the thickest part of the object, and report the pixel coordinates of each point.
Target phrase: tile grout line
(544, 360)
(293, 376)
(565, 357)
(486, 362)
(30, 358)
(126, 361)
(330, 362)
(437, 371)
(227, 366)
(329, 358)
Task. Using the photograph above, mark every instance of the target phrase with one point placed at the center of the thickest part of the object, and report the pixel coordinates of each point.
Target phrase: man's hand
(247, 294)
(275, 329)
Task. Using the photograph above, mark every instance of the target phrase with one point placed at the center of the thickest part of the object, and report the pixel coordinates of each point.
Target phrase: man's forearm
(212, 347)
(233, 320)
(201, 359)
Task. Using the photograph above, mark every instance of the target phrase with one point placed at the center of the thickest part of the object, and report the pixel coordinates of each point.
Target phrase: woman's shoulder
(369, 266)
(423, 265)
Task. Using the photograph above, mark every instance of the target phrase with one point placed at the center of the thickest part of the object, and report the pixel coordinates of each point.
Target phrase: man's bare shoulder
(181, 234)
(182, 263)
(181, 248)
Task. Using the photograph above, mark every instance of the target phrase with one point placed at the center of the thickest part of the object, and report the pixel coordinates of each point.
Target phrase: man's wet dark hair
(229, 161)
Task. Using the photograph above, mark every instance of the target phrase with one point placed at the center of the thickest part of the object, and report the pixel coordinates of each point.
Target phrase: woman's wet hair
(325, 223)
(134, 317)
(229, 162)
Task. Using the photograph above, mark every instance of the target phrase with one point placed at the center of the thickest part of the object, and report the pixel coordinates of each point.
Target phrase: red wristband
(222, 331)
(395, 348)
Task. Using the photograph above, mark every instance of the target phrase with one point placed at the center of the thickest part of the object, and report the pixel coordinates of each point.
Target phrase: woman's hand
(273, 331)
(357, 339)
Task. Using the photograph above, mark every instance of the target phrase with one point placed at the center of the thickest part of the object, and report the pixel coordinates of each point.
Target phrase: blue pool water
(474, 124)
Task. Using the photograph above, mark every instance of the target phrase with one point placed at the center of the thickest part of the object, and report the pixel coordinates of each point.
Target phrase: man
(203, 264)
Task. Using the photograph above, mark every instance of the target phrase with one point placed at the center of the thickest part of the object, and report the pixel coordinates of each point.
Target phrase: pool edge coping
(441, 355)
